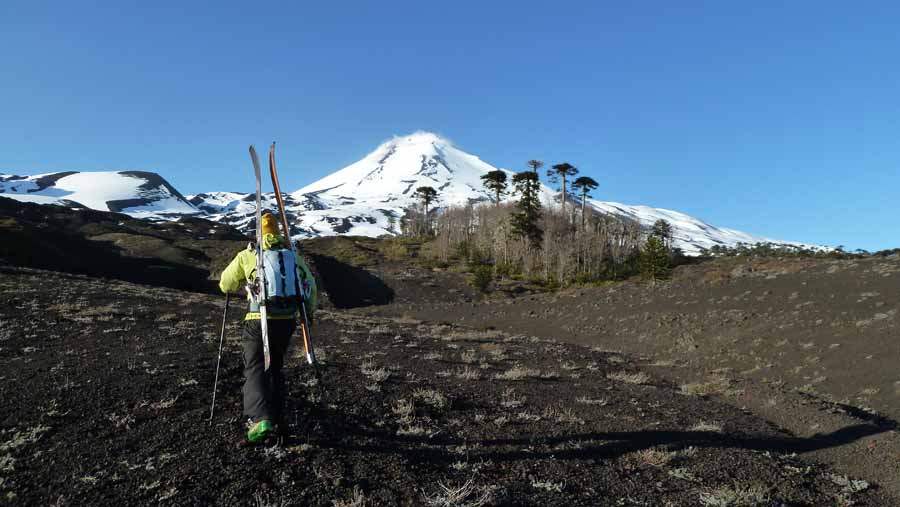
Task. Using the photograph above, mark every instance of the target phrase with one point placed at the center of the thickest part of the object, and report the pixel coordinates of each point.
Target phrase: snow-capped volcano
(395, 169)
(137, 193)
(361, 197)
(366, 198)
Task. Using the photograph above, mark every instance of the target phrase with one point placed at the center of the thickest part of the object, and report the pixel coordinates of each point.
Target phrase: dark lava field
(675, 394)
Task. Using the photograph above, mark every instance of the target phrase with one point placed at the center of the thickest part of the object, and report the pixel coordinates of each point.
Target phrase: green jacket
(242, 269)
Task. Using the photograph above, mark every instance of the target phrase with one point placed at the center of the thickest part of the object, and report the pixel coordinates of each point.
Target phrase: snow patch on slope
(137, 193)
(366, 198)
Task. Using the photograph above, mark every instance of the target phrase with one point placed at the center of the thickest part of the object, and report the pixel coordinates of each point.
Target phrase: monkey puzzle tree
(585, 184)
(535, 164)
(654, 259)
(662, 229)
(495, 181)
(560, 172)
(426, 195)
(525, 220)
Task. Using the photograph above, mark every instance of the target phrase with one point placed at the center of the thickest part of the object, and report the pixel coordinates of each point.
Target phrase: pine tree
(654, 259)
(495, 181)
(585, 184)
(559, 172)
(535, 164)
(525, 221)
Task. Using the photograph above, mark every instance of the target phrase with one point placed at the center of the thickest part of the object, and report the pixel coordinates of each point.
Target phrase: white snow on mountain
(137, 193)
(366, 198)
(689, 233)
(364, 194)
(396, 168)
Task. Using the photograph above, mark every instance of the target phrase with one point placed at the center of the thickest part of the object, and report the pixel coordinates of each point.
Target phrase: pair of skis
(260, 269)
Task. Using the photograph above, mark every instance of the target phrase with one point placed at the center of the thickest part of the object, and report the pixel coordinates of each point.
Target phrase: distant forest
(561, 245)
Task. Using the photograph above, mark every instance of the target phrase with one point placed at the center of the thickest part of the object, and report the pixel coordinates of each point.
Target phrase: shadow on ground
(594, 445)
(349, 286)
(179, 254)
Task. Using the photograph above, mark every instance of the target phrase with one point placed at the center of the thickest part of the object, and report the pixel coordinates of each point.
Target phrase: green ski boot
(260, 431)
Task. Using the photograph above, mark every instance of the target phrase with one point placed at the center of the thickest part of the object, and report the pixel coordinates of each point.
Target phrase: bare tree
(606, 248)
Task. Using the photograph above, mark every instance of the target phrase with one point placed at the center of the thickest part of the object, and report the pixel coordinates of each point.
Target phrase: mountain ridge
(365, 198)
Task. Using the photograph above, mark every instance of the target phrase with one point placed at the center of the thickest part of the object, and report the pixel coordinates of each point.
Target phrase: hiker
(264, 390)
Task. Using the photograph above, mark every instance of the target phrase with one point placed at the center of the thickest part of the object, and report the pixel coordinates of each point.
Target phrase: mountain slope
(366, 198)
(138, 193)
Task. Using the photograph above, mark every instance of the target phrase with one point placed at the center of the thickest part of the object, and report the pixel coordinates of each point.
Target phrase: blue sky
(778, 118)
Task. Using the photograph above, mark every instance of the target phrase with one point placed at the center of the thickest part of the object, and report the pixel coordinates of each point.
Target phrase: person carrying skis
(291, 279)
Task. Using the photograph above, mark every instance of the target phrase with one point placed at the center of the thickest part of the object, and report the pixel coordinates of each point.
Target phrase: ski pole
(307, 341)
(212, 409)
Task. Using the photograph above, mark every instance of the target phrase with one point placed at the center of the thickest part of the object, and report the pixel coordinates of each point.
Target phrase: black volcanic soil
(811, 345)
(105, 389)
(184, 254)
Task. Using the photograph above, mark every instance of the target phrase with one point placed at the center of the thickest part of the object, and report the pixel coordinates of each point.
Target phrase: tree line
(554, 246)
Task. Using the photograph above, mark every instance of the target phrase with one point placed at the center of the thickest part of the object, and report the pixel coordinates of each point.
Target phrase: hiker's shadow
(582, 446)
(609, 445)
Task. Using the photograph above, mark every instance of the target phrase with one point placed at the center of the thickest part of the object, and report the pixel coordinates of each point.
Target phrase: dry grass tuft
(404, 410)
(371, 370)
(509, 399)
(584, 400)
(518, 372)
(736, 496)
(468, 373)
(718, 384)
(706, 427)
(464, 495)
(431, 397)
(469, 357)
(562, 415)
(655, 457)
(629, 377)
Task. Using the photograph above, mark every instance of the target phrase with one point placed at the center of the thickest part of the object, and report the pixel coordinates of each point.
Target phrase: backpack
(282, 275)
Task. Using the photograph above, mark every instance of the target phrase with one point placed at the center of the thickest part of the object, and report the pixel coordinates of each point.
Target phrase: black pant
(264, 390)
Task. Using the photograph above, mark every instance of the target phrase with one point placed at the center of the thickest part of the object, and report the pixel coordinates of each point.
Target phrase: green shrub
(481, 277)
(478, 256)
(654, 259)
(394, 250)
(461, 251)
(506, 269)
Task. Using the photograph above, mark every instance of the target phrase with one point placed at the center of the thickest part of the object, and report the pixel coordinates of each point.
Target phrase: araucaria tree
(495, 181)
(535, 164)
(525, 221)
(560, 172)
(654, 259)
(584, 184)
(662, 229)
(426, 195)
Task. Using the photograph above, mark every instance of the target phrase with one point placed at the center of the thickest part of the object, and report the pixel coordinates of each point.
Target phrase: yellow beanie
(269, 225)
